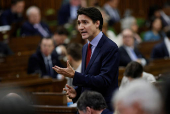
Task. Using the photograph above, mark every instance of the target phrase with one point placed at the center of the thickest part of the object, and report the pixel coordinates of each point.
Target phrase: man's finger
(64, 89)
(68, 64)
(69, 87)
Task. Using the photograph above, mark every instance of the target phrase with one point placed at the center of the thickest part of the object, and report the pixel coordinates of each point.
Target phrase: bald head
(128, 39)
(33, 14)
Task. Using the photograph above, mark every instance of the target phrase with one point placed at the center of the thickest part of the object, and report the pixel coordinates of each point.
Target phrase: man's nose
(81, 27)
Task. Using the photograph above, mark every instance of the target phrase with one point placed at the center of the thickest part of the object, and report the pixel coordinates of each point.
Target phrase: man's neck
(76, 64)
(95, 34)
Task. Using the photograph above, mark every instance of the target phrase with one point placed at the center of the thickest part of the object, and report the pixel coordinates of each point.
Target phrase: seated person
(111, 9)
(134, 70)
(128, 52)
(68, 12)
(14, 14)
(155, 32)
(74, 55)
(162, 50)
(91, 102)
(44, 59)
(60, 38)
(34, 26)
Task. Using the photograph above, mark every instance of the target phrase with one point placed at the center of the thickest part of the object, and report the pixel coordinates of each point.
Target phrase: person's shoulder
(109, 43)
(7, 12)
(106, 111)
(26, 24)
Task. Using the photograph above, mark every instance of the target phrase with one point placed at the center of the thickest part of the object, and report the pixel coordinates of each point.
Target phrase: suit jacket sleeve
(107, 74)
(4, 19)
(33, 66)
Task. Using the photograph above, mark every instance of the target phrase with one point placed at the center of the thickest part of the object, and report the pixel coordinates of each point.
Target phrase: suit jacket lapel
(95, 53)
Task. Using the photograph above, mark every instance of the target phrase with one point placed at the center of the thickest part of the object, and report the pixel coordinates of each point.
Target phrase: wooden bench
(146, 48)
(24, 44)
(49, 98)
(41, 109)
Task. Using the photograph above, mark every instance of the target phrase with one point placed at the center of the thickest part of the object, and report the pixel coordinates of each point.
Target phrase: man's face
(59, 39)
(34, 17)
(47, 46)
(128, 39)
(19, 7)
(86, 27)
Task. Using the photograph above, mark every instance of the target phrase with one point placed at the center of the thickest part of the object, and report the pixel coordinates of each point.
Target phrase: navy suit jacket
(36, 64)
(7, 18)
(125, 58)
(160, 51)
(106, 111)
(101, 74)
(27, 29)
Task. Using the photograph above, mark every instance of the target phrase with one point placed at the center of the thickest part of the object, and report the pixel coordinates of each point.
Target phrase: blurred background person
(131, 23)
(139, 97)
(74, 56)
(34, 25)
(162, 50)
(61, 40)
(134, 70)
(128, 51)
(14, 14)
(12, 103)
(91, 102)
(111, 9)
(155, 33)
(44, 59)
(68, 12)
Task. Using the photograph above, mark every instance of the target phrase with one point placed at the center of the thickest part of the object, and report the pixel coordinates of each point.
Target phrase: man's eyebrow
(82, 20)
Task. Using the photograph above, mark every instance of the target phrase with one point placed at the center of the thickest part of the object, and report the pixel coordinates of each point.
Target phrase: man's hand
(71, 92)
(67, 72)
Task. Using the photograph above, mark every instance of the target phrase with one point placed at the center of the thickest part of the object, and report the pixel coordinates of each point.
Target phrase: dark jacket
(36, 64)
(27, 29)
(101, 74)
(8, 18)
(160, 51)
(125, 58)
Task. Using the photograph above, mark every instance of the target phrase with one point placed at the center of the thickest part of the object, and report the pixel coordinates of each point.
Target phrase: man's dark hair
(48, 38)
(61, 31)
(133, 70)
(74, 50)
(91, 99)
(13, 2)
(93, 13)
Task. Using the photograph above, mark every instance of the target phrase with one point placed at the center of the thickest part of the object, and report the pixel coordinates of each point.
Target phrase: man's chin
(84, 37)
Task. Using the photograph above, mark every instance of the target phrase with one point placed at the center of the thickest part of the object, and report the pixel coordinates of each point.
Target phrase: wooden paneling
(139, 7)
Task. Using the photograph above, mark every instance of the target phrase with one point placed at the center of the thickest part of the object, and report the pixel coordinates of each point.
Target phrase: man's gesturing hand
(71, 92)
(67, 72)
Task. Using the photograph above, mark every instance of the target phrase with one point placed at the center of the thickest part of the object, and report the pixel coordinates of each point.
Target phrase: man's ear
(88, 110)
(97, 24)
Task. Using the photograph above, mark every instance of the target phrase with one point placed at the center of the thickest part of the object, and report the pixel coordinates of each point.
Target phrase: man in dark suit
(68, 12)
(14, 14)
(128, 52)
(91, 102)
(111, 9)
(100, 62)
(43, 60)
(162, 50)
(34, 25)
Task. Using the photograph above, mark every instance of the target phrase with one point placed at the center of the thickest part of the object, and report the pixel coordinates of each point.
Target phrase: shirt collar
(47, 58)
(96, 40)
